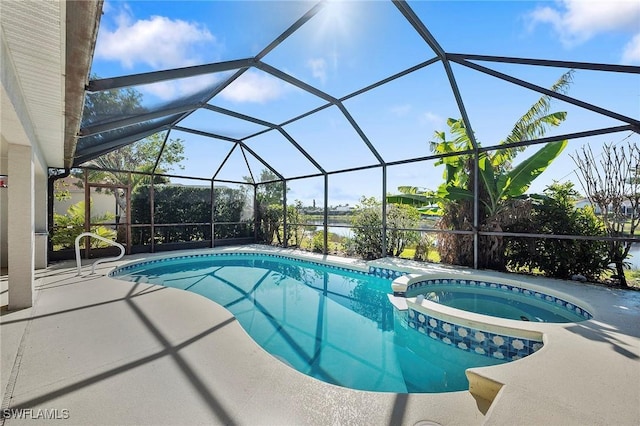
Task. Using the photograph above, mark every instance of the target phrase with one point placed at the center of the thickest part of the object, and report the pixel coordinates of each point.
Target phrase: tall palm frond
(535, 122)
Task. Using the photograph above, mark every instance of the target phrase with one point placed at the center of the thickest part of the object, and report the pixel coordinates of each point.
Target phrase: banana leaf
(453, 193)
(518, 180)
(416, 200)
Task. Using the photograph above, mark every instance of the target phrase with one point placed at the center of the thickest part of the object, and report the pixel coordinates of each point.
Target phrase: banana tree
(501, 187)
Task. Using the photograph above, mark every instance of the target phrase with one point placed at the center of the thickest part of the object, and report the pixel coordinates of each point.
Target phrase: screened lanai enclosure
(368, 128)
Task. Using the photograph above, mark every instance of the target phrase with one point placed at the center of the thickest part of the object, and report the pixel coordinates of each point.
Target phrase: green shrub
(317, 243)
(172, 204)
(555, 213)
(269, 222)
(295, 231)
(399, 217)
(349, 247)
(272, 224)
(188, 204)
(68, 226)
(367, 230)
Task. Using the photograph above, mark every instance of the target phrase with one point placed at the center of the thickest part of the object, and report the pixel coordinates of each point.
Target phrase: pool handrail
(106, 259)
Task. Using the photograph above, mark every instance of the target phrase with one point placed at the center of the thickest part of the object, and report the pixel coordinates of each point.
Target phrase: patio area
(174, 125)
(94, 350)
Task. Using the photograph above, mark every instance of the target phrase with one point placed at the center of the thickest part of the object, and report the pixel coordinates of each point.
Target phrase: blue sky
(349, 45)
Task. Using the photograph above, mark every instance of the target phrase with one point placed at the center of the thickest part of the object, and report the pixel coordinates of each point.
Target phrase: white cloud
(164, 90)
(170, 90)
(434, 119)
(576, 21)
(631, 54)
(318, 68)
(401, 110)
(256, 87)
(158, 42)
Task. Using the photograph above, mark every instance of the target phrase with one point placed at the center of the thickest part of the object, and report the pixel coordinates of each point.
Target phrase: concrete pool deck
(103, 351)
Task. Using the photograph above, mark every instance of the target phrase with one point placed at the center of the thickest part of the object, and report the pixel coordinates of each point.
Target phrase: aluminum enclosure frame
(240, 66)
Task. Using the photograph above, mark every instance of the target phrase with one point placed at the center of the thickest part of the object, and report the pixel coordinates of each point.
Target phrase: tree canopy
(154, 154)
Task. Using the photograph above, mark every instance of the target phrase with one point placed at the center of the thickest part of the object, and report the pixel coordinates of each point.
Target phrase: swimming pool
(331, 323)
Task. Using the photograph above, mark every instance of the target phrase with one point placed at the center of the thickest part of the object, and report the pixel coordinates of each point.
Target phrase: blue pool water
(495, 302)
(330, 323)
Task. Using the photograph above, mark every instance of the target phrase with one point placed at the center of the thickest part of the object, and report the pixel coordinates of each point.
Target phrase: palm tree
(501, 186)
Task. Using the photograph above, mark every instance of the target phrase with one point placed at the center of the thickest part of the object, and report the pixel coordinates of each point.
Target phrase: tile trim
(470, 339)
(123, 269)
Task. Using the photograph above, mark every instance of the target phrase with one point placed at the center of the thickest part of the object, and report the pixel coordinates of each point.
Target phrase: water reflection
(362, 294)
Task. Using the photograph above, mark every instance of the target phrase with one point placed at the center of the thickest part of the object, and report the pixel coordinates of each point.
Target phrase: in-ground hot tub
(503, 300)
(483, 315)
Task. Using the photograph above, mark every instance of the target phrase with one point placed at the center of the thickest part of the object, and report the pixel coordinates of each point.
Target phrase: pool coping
(565, 382)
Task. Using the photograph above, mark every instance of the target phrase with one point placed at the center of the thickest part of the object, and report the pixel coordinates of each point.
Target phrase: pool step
(483, 389)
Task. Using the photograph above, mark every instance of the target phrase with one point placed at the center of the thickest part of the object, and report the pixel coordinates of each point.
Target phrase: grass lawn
(433, 255)
(633, 277)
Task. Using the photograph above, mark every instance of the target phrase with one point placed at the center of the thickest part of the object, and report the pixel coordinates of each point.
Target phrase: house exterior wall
(101, 203)
(21, 227)
(4, 209)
